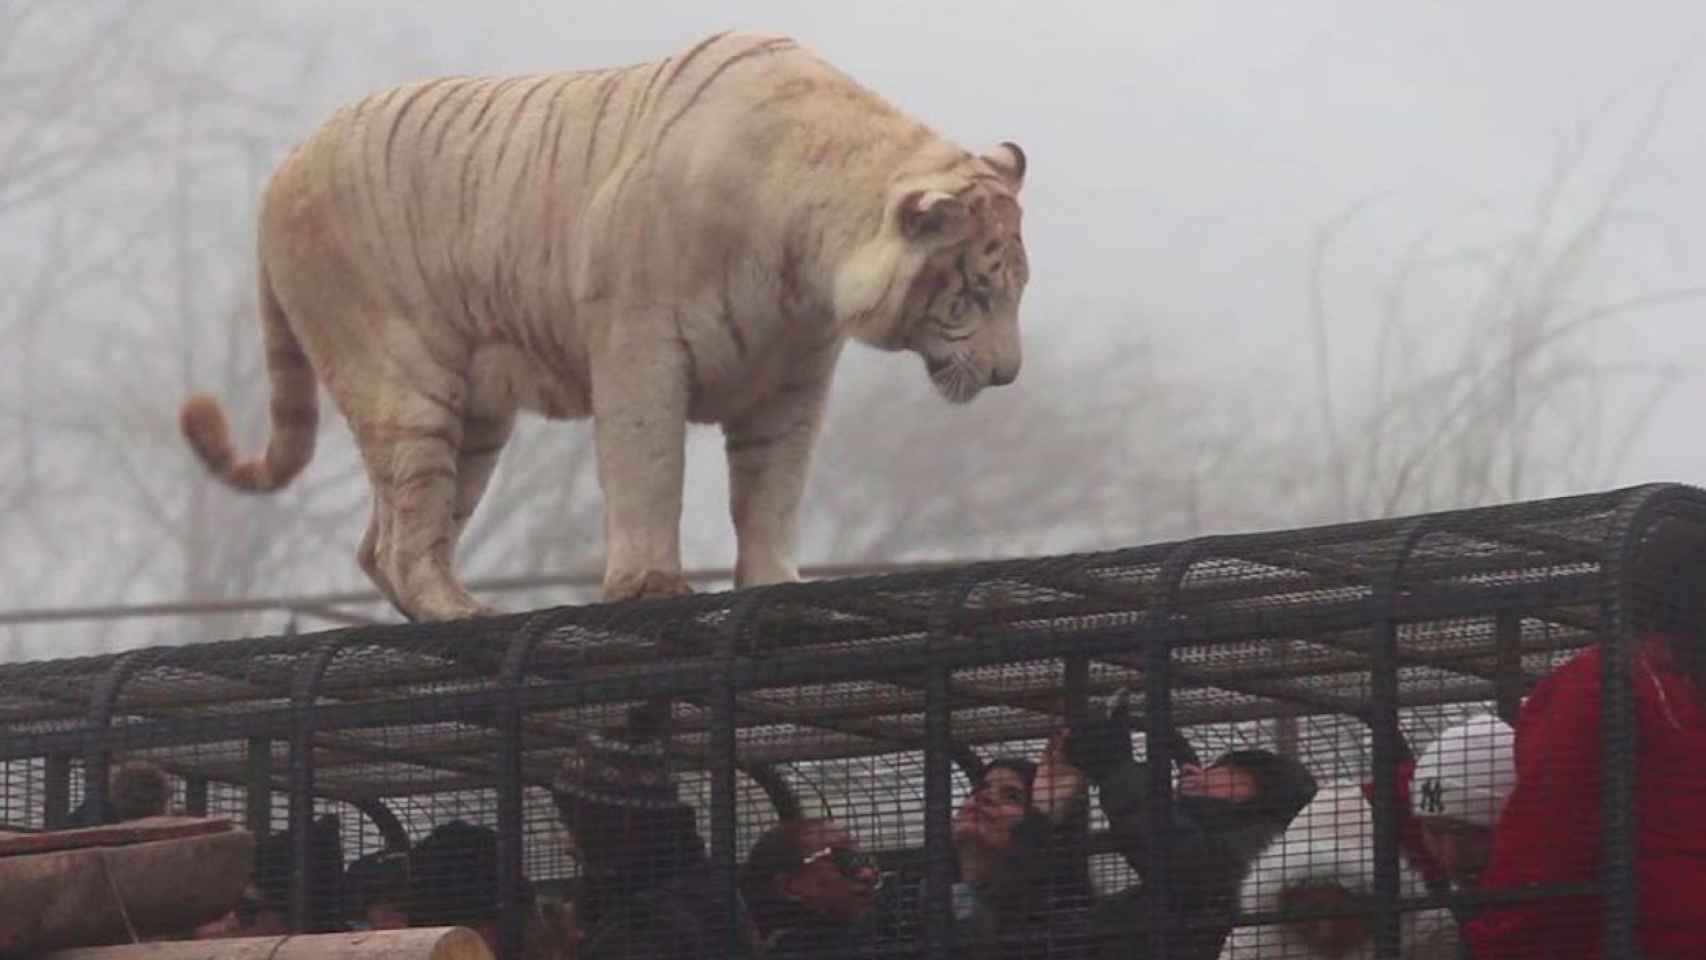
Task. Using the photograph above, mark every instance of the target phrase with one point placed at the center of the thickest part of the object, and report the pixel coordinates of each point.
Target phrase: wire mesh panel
(1286, 744)
(23, 795)
(1598, 850)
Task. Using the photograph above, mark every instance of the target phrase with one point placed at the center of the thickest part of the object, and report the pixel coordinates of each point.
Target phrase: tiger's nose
(1002, 376)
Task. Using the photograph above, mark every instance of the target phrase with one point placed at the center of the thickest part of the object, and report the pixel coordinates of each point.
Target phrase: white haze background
(1291, 264)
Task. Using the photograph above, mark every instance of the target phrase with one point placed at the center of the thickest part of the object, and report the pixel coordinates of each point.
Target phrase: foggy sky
(1183, 157)
(1183, 153)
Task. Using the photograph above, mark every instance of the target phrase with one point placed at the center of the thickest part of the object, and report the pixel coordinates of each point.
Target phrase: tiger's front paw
(646, 583)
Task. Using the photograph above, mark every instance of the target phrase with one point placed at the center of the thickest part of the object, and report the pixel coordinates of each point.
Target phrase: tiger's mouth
(955, 377)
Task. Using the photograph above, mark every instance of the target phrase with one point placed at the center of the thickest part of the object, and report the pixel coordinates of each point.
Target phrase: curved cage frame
(940, 663)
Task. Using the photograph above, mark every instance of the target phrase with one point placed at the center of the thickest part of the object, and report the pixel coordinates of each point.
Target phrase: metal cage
(876, 699)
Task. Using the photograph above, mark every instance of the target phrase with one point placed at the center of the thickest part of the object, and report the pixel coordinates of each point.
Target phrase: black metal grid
(1355, 638)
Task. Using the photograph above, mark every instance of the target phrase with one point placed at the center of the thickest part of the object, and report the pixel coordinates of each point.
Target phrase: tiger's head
(945, 274)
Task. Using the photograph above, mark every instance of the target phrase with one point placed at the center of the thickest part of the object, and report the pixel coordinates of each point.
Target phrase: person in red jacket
(1549, 832)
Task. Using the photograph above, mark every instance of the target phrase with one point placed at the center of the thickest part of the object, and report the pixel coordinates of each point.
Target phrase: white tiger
(689, 239)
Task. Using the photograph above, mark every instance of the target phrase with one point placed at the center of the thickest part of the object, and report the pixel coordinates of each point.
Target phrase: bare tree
(52, 57)
(1492, 373)
(77, 79)
(1090, 448)
(1517, 393)
(1489, 377)
(145, 290)
(542, 514)
(132, 158)
(48, 137)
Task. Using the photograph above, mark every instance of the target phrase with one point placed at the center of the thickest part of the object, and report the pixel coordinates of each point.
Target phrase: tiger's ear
(1008, 161)
(932, 216)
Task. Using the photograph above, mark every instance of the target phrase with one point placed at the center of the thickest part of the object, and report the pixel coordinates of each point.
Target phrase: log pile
(154, 877)
(420, 943)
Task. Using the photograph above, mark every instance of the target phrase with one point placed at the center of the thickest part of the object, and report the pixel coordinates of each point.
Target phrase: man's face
(835, 880)
(1223, 782)
(1461, 849)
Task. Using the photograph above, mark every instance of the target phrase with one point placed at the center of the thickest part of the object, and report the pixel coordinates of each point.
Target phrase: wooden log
(418, 943)
(111, 835)
(71, 898)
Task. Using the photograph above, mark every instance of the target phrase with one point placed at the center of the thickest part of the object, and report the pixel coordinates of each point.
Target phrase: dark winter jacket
(803, 935)
(651, 893)
(1036, 905)
(1211, 844)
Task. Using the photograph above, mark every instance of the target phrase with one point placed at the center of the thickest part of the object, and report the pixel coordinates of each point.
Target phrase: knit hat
(629, 769)
(616, 795)
(1467, 773)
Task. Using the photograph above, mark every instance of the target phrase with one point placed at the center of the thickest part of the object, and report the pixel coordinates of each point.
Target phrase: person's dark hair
(326, 882)
(1025, 768)
(776, 853)
(137, 789)
(1668, 586)
(271, 873)
(453, 876)
(381, 877)
(1285, 786)
(1689, 649)
(1049, 881)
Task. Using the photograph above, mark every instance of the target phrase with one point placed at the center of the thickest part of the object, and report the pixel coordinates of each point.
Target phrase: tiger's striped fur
(691, 239)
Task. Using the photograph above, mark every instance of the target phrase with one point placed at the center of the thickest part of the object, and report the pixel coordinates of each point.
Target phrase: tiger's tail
(294, 412)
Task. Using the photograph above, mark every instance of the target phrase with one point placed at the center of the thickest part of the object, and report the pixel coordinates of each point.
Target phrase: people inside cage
(1483, 807)
(1321, 871)
(377, 890)
(1022, 885)
(1221, 817)
(453, 881)
(448, 879)
(1550, 833)
(136, 789)
(809, 889)
(649, 890)
(254, 915)
(264, 909)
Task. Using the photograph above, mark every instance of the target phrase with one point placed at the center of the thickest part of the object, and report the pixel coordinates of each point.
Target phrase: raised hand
(1101, 743)
(1059, 784)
